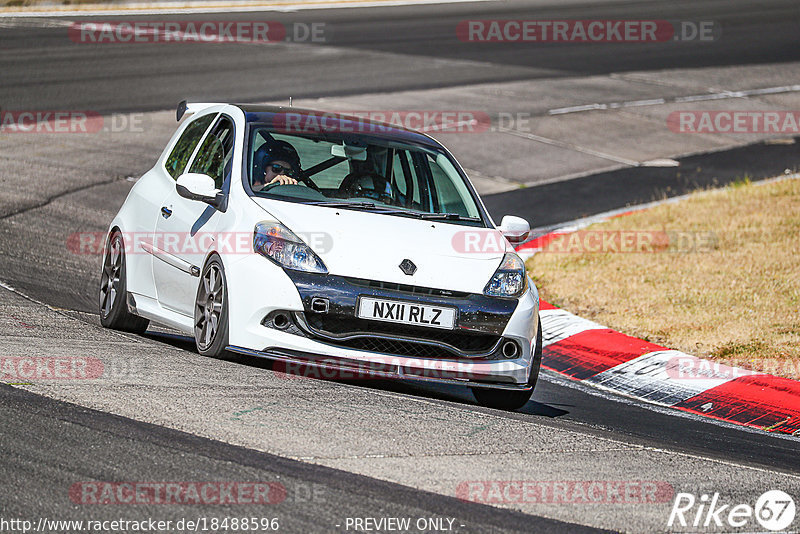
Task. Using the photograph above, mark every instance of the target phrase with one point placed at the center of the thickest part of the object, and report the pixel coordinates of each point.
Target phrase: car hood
(371, 245)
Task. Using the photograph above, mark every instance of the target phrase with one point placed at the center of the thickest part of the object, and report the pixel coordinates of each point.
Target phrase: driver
(275, 161)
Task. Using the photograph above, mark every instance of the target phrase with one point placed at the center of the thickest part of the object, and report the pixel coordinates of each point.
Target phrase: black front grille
(406, 288)
(340, 325)
(394, 346)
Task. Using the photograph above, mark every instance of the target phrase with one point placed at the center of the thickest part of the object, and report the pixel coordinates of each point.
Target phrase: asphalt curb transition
(596, 355)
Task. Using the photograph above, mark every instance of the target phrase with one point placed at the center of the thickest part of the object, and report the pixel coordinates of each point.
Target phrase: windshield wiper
(344, 204)
(393, 210)
(446, 216)
(361, 206)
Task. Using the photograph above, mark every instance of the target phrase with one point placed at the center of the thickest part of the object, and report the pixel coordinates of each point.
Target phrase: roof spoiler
(185, 107)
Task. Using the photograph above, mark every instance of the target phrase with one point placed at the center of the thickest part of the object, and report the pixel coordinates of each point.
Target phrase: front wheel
(113, 290)
(211, 310)
(513, 400)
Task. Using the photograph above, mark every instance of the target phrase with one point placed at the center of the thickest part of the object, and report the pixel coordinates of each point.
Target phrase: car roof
(383, 130)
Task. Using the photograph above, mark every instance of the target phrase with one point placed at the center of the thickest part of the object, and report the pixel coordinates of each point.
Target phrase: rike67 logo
(774, 511)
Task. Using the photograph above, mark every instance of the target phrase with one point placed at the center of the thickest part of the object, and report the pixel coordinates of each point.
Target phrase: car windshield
(363, 172)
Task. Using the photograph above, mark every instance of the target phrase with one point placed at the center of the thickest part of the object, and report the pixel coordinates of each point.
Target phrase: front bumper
(337, 339)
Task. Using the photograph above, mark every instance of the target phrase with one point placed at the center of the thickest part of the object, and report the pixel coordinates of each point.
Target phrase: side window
(216, 152)
(183, 149)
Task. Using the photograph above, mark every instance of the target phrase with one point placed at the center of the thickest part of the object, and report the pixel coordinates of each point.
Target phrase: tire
(113, 301)
(513, 400)
(211, 310)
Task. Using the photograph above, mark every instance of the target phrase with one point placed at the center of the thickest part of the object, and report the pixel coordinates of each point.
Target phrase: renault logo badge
(408, 267)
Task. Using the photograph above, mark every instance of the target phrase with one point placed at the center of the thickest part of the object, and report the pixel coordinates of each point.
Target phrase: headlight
(509, 280)
(277, 243)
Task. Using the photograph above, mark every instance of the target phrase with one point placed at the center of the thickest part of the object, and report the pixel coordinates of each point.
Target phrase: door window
(184, 148)
(216, 152)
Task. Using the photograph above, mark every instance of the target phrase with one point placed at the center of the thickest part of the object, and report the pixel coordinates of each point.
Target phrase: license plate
(394, 311)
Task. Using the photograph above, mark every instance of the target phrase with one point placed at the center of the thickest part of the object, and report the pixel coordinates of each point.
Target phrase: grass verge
(716, 275)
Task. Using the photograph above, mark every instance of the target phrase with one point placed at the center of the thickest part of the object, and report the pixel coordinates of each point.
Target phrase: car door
(160, 182)
(185, 227)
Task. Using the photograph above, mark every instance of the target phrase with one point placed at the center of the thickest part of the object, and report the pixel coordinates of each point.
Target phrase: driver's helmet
(274, 151)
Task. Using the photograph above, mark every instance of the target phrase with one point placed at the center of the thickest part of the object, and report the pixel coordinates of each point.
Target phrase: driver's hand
(283, 180)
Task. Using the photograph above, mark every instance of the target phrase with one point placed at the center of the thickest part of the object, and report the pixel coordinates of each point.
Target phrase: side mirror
(515, 229)
(200, 187)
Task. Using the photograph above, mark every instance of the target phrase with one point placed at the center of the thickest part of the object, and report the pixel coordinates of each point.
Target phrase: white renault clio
(326, 241)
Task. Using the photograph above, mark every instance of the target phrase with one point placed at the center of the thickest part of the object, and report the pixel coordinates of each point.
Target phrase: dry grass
(736, 300)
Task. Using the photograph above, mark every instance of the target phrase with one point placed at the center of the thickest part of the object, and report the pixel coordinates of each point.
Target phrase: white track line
(717, 95)
(571, 146)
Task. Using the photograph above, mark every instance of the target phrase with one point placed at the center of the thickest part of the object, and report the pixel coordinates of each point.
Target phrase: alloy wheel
(208, 306)
(110, 277)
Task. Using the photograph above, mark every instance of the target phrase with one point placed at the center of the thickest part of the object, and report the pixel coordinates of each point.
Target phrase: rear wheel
(513, 400)
(211, 310)
(113, 293)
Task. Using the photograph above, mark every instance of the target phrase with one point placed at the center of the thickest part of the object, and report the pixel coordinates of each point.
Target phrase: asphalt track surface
(63, 430)
(43, 69)
(44, 73)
